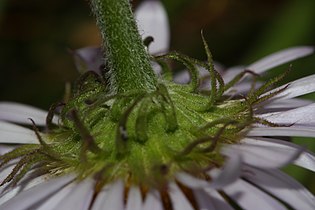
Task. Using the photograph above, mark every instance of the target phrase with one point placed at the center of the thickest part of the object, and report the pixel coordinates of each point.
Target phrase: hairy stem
(124, 51)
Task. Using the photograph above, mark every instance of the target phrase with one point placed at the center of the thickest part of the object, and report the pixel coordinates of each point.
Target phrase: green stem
(125, 53)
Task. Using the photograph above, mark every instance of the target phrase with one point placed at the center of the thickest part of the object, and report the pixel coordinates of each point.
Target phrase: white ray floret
(11, 133)
(110, 196)
(55, 199)
(230, 172)
(231, 72)
(302, 116)
(264, 155)
(3, 174)
(153, 21)
(26, 184)
(153, 201)
(282, 131)
(266, 63)
(220, 178)
(249, 197)
(191, 181)
(21, 113)
(88, 59)
(178, 198)
(279, 58)
(30, 197)
(294, 89)
(216, 199)
(282, 105)
(282, 186)
(306, 159)
(6, 148)
(79, 197)
(203, 200)
(134, 199)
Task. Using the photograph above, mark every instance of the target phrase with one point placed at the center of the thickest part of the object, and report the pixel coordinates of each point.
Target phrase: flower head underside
(191, 144)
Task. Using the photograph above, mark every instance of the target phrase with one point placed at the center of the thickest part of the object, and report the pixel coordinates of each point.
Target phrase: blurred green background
(36, 35)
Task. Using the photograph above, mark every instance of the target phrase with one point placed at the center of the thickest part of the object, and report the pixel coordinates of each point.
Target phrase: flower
(185, 150)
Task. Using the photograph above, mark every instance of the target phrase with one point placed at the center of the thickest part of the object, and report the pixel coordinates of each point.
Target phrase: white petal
(230, 172)
(191, 181)
(183, 77)
(6, 148)
(283, 131)
(27, 182)
(179, 201)
(282, 186)
(10, 133)
(211, 198)
(299, 116)
(4, 172)
(153, 201)
(134, 199)
(55, 199)
(264, 155)
(111, 196)
(249, 197)
(30, 197)
(296, 88)
(278, 58)
(157, 69)
(305, 160)
(88, 59)
(20, 113)
(242, 88)
(283, 105)
(269, 62)
(203, 200)
(153, 21)
(220, 178)
(79, 197)
(230, 73)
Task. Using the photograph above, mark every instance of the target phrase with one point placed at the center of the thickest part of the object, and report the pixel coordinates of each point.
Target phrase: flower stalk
(126, 56)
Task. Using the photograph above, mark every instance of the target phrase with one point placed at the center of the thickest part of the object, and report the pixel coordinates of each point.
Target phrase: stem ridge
(129, 62)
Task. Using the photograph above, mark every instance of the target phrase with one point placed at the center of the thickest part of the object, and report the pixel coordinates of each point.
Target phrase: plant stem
(124, 52)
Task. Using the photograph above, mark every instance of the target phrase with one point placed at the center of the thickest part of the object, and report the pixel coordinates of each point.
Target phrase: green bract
(129, 124)
(145, 136)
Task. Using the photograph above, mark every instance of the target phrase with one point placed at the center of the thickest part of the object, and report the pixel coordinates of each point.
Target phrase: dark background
(35, 37)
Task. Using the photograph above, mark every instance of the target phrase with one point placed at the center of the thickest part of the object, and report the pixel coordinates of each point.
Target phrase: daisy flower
(129, 139)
